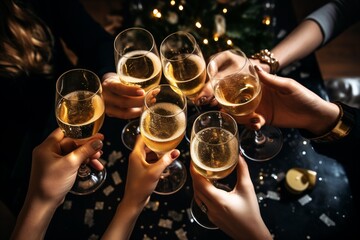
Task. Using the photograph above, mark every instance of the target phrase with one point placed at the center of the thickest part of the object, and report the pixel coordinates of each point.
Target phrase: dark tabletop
(318, 213)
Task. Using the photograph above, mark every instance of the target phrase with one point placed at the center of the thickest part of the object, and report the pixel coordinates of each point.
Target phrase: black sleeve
(346, 151)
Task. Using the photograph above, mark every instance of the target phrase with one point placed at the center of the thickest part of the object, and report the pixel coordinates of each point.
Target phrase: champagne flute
(214, 150)
(162, 126)
(137, 63)
(237, 88)
(184, 66)
(80, 113)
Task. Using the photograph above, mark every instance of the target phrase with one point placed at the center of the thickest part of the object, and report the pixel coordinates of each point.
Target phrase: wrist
(337, 130)
(268, 58)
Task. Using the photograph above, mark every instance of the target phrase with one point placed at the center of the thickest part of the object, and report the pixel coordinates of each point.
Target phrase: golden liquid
(189, 74)
(238, 94)
(140, 68)
(80, 116)
(217, 159)
(160, 133)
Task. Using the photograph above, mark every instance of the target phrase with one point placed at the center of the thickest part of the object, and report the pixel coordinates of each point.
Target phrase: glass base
(173, 178)
(129, 134)
(199, 216)
(90, 183)
(261, 151)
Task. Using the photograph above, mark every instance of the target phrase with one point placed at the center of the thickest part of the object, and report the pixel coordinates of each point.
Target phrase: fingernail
(254, 120)
(97, 144)
(140, 92)
(175, 153)
(258, 68)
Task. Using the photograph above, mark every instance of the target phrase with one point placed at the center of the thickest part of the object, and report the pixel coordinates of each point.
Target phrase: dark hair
(26, 42)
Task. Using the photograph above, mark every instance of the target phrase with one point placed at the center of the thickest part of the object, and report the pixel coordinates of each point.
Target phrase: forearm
(302, 41)
(323, 119)
(123, 222)
(33, 220)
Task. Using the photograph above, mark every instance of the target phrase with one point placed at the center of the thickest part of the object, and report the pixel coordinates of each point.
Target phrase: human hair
(26, 42)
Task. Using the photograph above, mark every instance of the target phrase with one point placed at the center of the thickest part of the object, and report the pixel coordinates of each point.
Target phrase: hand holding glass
(184, 66)
(80, 113)
(214, 150)
(237, 88)
(162, 126)
(137, 63)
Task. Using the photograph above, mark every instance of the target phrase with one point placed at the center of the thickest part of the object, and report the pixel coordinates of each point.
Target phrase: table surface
(319, 213)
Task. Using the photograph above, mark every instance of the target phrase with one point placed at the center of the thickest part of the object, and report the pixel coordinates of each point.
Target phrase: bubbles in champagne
(163, 122)
(238, 94)
(187, 73)
(214, 152)
(80, 114)
(141, 68)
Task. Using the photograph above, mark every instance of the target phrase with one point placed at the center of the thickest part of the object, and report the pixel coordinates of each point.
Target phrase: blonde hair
(26, 43)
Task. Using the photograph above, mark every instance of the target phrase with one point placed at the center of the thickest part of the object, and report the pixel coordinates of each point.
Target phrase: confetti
(113, 157)
(323, 217)
(116, 178)
(153, 205)
(109, 189)
(273, 195)
(67, 205)
(165, 223)
(94, 237)
(99, 205)
(89, 217)
(175, 216)
(181, 234)
(280, 176)
(261, 196)
(304, 200)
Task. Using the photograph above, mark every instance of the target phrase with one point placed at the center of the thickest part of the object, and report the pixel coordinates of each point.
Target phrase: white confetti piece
(304, 200)
(323, 217)
(116, 178)
(165, 223)
(109, 189)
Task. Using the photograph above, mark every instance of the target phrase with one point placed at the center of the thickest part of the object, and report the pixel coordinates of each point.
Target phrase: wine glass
(137, 63)
(214, 150)
(162, 126)
(80, 113)
(237, 88)
(184, 66)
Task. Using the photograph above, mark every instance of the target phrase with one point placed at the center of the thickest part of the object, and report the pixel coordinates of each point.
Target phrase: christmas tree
(216, 25)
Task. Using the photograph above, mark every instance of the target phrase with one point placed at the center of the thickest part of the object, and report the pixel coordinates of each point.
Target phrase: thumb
(167, 159)
(86, 150)
(278, 83)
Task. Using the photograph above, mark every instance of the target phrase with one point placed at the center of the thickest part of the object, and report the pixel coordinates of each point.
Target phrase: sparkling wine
(214, 152)
(80, 114)
(188, 74)
(238, 94)
(161, 133)
(140, 68)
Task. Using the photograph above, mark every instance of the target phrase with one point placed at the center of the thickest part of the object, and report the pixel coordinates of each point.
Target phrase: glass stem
(84, 171)
(260, 138)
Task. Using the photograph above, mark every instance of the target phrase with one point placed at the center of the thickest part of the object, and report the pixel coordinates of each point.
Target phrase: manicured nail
(175, 153)
(97, 145)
